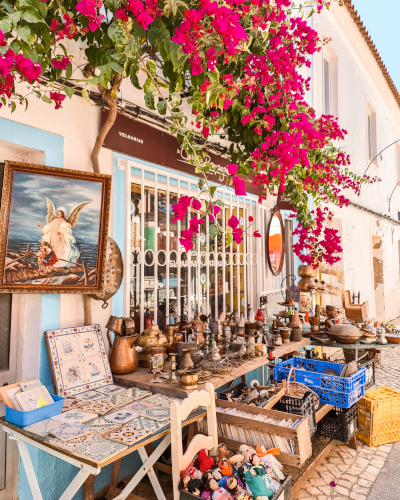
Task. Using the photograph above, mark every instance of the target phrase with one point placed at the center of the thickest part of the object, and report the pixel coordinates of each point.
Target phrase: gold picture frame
(54, 229)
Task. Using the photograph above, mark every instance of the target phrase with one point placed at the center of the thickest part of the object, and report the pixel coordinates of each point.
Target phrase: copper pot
(189, 380)
(123, 358)
(170, 331)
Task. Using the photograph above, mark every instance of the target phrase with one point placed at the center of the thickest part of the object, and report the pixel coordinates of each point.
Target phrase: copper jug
(172, 333)
(123, 358)
(199, 323)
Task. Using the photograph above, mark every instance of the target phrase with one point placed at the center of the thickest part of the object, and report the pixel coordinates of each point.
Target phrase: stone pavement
(346, 473)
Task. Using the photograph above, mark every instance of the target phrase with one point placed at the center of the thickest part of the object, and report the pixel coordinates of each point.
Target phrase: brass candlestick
(173, 378)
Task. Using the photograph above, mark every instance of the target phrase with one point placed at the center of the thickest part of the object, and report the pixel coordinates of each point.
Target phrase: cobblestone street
(353, 472)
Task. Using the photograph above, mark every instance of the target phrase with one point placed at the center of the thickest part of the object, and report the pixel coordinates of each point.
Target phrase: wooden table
(89, 468)
(142, 377)
(356, 347)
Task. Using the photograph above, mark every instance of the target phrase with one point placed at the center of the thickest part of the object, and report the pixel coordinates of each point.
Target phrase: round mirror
(276, 243)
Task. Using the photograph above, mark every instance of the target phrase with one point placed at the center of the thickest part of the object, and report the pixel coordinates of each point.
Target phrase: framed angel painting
(54, 225)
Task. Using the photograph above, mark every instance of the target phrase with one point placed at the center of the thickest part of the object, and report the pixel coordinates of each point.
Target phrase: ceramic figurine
(194, 473)
(269, 481)
(185, 478)
(236, 461)
(205, 461)
(195, 487)
(225, 467)
(236, 490)
(217, 493)
(256, 484)
(219, 477)
(223, 452)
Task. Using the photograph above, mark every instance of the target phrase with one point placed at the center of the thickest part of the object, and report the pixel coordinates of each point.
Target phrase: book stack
(27, 396)
(249, 436)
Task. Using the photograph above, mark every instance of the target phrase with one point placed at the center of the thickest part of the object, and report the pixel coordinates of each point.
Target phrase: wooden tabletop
(44, 440)
(357, 345)
(142, 377)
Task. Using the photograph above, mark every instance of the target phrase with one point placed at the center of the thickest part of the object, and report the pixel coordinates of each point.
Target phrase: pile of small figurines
(253, 396)
(248, 474)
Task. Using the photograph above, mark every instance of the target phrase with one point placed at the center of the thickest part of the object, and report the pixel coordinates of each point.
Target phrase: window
(371, 134)
(326, 108)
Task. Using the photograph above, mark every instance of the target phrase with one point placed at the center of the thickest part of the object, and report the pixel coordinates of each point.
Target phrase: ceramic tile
(74, 443)
(44, 427)
(136, 393)
(121, 416)
(140, 406)
(100, 426)
(89, 396)
(156, 413)
(100, 406)
(71, 403)
(119, 398)
(156, 399)
(78, 359)
(167, 402)
(67, 432)
(34, 398)
(127, 435)
(148, 423)
(111, 389)
(74, 417)
(100, 449)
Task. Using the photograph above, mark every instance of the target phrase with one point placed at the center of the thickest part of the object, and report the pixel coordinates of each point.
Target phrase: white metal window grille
(326, 85)
(209, 279)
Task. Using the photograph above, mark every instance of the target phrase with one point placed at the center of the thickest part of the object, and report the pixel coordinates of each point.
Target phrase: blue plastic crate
(332, 390)
(24, 418)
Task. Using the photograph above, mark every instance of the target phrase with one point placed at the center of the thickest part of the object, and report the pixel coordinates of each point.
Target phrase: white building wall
(357, 86)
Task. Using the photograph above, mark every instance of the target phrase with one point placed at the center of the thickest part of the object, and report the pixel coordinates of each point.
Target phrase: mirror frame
(276, 212)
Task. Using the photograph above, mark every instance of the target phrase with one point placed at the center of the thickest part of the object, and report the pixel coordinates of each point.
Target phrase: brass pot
(170, 331)
(197, 323)
(151, 337)
(121, 326)
(123, 358)
(186, 362)
(189, 380)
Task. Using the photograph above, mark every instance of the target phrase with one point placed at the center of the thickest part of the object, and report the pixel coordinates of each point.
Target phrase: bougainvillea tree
(237, 64)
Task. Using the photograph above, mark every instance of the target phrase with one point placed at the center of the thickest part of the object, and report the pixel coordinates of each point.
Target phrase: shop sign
(284, 202)
(136, 139)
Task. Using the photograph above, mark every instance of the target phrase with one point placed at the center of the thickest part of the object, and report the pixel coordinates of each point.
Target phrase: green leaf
(7, 6)
(149, 86)
(14, 47)
(15, 17)
(116, 67)
(3, 50)
(85, 95)
(103, 80)
(25, 3)
(117, 33)
(64, 50)
(178, 57)
(6, 25)
(162, 107)
(114, 94)
(24, 33)
(201, 183)
(112, 5)
(69, 91)
(13, 106)
(151, 67)
(31, 15)
(213, 231)
(46, 99)
(149, 100)
(228, 239)
(41, 7)
(134, 79)
(106, 69)
(93, 80)
(212, 191)
(68, 72)
(28, 52)
(176, 99)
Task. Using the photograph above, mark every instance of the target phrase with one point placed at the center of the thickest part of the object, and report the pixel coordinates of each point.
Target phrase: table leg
(243, 379)
(29, 470)
(147, 468)
(149, 449)
(88, 490)
(114, 479)
(262, 376)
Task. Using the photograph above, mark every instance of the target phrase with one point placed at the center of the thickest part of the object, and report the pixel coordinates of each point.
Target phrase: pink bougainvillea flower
(187, 243)
(196, 204)
(120, 14)
(181, 208)
(237, 234)
(215, 209)
(195, 223)
(239, 185)
(251, 218)
(54, 24)
(61, 63)
(3, 43)
(232, 168)
(257, 234)
(57, 98)
(233, 222)
(332, 484)
(187, 233)
(206, 132)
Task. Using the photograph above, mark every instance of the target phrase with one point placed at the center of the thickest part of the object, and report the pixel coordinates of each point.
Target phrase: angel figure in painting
(58, 233)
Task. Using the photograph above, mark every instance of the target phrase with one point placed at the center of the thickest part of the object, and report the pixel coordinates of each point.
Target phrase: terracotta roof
(371, 45)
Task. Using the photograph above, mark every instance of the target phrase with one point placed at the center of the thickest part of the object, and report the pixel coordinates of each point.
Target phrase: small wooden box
(300, 435)
(355, 312)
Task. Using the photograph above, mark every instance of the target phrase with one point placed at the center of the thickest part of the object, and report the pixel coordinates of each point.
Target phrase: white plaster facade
(357, 87)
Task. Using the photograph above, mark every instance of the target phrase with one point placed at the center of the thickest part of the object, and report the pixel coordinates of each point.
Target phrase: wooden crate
(300, 435)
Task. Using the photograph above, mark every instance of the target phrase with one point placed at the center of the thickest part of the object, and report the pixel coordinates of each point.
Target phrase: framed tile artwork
(101, 426)
(100, 407)
(44, 427)
(100, 449)
(67, 432)
(121, 416)
(78, 359)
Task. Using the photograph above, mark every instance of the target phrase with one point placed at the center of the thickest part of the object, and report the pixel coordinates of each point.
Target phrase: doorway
(377, 263)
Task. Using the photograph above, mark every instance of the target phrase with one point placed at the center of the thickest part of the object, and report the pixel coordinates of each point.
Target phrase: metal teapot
(151, 337)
